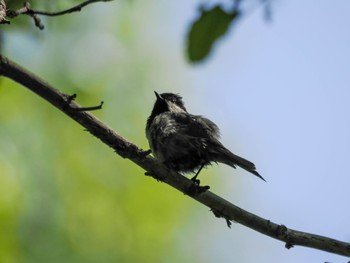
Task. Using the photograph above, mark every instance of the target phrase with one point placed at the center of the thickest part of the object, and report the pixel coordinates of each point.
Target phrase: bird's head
(168, 102)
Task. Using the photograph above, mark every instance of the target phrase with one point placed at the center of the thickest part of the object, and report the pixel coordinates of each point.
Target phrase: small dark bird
(185, 142)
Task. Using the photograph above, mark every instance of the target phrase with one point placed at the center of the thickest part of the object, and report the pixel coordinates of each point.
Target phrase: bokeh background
(279, 91)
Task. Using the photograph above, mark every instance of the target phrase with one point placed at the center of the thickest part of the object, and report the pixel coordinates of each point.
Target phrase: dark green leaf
(206, 30)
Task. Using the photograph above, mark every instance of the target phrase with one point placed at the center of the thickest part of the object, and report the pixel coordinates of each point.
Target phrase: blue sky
(280, 93)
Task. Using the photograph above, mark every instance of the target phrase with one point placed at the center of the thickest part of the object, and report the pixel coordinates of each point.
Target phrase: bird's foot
(195, 180)
(143, 154)
(195, 188)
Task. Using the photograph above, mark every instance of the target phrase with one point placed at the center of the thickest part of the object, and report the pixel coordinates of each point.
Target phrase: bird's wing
(196, 126)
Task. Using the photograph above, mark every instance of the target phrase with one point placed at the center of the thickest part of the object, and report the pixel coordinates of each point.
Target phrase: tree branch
(26, 10)
(3, 19)
(219, 206)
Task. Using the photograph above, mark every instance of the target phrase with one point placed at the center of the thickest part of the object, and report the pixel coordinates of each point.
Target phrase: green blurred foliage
(65, 196)
(210, 26)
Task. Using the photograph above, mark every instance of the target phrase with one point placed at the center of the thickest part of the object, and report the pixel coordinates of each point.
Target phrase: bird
(187, 143)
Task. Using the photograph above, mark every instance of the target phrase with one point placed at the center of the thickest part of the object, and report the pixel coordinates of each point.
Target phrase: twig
(26, 10)
(73, 97)
(98, 107)
(76, 8)
(220, 207)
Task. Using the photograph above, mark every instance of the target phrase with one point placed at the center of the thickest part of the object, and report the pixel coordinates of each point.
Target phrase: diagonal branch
(220, 206)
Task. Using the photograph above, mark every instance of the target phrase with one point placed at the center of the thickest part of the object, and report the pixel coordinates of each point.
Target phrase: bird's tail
(232, 160)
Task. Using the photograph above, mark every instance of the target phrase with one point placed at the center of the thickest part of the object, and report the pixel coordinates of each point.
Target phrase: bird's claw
(143, 154)
(195, 188)
(195, 181)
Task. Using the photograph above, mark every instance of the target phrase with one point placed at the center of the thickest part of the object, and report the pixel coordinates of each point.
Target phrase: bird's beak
(157, 95)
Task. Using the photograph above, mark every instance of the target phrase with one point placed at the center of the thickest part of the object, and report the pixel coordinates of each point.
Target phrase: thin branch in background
(27, 10)
(219, 206)
(76, 8)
